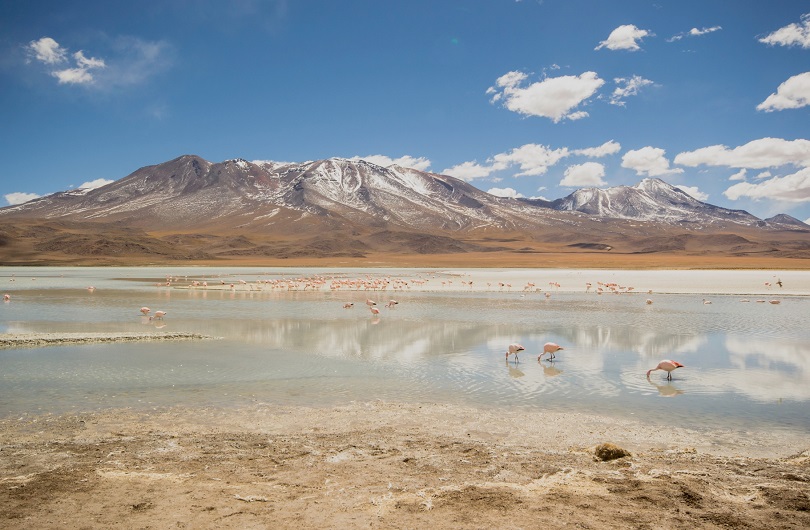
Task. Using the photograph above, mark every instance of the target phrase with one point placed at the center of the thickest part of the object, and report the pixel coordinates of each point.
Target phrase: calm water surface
(747, 364)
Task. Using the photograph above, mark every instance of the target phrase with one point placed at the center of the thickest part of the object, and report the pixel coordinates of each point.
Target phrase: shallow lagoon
(747, 363)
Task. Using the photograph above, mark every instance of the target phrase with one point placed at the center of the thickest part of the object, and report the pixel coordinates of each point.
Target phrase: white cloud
(73, 76)
(624, 38)
(47, 50)
(694, 192)
(469, 171)
(626, 87)
(649, 161)
(532, 159)
(420, 163)
(608, 148)
(93, 184)
(694, 32)
(756, 154)
(790, 188)
(763, 175)
(134, 61)
(587, 174)
(553, 97)
(740, 175)
(19, 197)
(792, 94)
(504, 192)
(791, 35)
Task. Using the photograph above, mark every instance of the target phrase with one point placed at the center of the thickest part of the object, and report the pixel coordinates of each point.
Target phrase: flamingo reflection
(667, 390)
(513, 371)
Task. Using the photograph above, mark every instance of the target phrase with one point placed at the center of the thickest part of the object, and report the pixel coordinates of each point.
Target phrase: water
(747, 363)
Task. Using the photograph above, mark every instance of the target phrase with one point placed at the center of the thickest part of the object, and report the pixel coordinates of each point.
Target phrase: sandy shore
(388, 465)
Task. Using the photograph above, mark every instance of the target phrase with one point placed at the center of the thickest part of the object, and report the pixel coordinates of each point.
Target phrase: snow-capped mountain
(649, 200)
(350, 206)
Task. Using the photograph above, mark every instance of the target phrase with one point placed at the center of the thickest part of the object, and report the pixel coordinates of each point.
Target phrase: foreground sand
(387, 465)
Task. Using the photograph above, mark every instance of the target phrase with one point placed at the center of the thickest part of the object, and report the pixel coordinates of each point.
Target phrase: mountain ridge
(340, 206)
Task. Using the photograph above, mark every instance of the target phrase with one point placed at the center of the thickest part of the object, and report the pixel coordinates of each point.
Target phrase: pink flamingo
(6, 297)
(158, 315)
(145, 310)
(391, 303)
(550, 348)
(667, 365)
(348, 305)
(513, 350)
(374, 311)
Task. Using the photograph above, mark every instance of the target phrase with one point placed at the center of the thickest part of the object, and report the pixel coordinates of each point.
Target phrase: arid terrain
(385, 465)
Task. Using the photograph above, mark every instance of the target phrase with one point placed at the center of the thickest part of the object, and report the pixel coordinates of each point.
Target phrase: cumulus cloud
(555, 98)
(624, 37)
(587, 174)
(694, 32)
(93, 184)
(49, 52)
(469, 171)
(420, 163)
(756, 154)
(649, 161)
(626, 87)
(792, 94)
(608, 148)
(504, 192)
(19, 197)
(693, 191)
(790, 188)
(533, 159)
(740, 175)
(133, 62)
(791, 35)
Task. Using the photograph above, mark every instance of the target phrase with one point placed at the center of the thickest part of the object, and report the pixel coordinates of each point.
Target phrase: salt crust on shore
(21, 340)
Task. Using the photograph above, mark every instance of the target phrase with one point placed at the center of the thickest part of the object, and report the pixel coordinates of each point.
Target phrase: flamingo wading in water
(667, 365)
(550, 348)
(513, 350)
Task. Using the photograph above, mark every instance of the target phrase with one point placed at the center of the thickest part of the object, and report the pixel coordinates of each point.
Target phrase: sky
(521, 98)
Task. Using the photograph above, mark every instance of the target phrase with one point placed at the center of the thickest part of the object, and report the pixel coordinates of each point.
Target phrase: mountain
(192, 209)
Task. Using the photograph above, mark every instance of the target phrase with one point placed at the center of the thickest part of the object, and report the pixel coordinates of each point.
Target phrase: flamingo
(374, 311)
(6, 297)
(370, 302)
(513, 350)
(550, 348)
(391, 303)
(667, 365)
(158, 315)
(145, 310)
(348, 305)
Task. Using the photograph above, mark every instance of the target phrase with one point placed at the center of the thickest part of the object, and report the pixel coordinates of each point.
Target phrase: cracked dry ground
(378, 478)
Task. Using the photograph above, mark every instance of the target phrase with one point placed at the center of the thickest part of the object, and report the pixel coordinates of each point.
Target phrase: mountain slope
(189, 208)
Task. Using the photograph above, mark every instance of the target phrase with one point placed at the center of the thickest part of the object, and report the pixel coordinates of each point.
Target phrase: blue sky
(524, 98)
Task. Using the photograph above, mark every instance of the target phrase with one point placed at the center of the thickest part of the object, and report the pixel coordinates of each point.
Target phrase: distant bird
(513, 350)
(6, 297)
(348, 305)
(391, 303)
(370, 302)
(774, 302)
(158, 315)
(649, 301)
(667, 365)
(706, 302)
(145, 310)
(550, 348)
(374, 311)
(91, 288)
